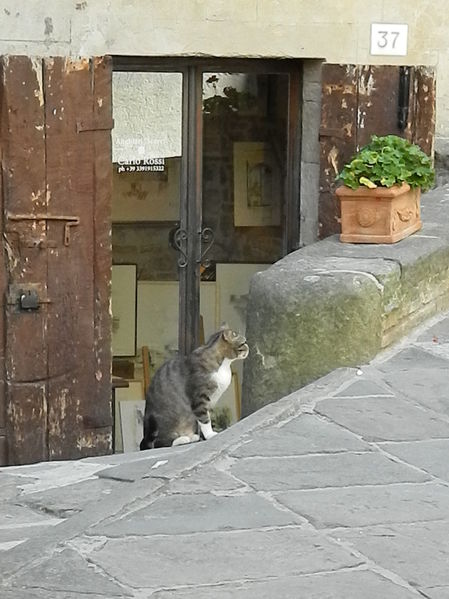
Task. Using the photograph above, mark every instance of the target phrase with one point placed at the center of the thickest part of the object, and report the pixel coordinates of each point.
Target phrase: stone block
(302, 435)
(310, 149)
(384, 419)
(215, 557)
(66, 571)
(439, 333)
(417, 552)
(365, 506)
(336, 585)
(206, 512)
(364, 388)
(312, 472)
(303, 324)
(431, 456)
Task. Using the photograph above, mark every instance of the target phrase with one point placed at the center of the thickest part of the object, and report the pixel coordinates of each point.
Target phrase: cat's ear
(224, 326)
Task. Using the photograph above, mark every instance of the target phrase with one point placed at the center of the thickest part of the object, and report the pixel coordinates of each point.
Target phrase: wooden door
(55, 349)
(359, 101)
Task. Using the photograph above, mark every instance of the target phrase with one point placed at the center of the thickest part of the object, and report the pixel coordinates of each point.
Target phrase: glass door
(147, 241)
(206, 186)
(246, 191)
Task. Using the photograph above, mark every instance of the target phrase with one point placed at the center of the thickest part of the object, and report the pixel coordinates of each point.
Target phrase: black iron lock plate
(29, 300)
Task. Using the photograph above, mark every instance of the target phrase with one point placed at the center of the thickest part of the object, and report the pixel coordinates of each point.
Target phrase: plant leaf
(365, 181)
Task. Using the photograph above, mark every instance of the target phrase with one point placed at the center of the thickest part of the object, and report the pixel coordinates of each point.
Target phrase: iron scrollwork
(179, 239)
(207, 241)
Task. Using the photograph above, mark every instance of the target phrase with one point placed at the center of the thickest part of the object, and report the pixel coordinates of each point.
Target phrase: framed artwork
(257, 185)
(147, 196)
(128, 424)
(124, 309)
(131, 422)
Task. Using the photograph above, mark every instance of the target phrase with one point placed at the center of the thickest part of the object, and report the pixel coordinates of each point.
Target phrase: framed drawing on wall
(257, 187)
(124, 309)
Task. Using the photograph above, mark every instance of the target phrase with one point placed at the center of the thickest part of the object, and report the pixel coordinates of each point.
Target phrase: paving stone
(29, 593)
(436, 348)
(20, 517)
(302, 435)
(338, 585)
(47, 475)
(431, 456)
(204, 480)
(214, 557)
(117, 459)
(426, 386)
(365, 506)
(64, 501)
(67, 571)
(418, 553)
(384, 419)
(438, 332)
(176, 514)
(135, 470)
(9, 487)
(168, 463)
(364, 388)
(331, 470)
(410, 358)
(436, 592)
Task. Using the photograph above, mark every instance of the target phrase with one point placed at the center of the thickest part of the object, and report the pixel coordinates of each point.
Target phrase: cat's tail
(150, 433)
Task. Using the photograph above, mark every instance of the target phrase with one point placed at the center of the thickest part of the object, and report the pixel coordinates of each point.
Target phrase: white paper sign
(389, 39)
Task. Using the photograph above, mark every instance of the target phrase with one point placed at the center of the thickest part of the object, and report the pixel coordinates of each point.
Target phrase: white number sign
(389, 39)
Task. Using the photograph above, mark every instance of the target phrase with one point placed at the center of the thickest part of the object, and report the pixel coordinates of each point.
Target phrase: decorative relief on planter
(380, 215)
(367, 217)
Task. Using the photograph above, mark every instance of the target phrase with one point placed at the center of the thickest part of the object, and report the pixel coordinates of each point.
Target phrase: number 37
(387, 38)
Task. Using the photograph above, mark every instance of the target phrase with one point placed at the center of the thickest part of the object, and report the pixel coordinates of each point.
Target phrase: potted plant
(380, 195)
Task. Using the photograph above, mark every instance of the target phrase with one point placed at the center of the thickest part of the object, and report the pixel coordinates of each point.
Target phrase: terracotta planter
(380, 215)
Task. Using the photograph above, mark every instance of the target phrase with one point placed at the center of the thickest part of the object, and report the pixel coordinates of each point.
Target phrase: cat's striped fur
(185, 388)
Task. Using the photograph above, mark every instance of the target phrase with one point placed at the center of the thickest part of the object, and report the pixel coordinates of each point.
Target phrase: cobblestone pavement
(340, 490)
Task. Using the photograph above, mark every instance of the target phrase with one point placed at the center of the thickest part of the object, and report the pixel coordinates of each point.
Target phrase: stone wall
(332, 304)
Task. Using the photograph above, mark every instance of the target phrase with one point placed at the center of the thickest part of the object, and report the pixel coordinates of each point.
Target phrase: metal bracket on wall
(70, 221)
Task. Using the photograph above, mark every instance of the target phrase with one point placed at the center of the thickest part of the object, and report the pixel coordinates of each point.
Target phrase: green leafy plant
(387, 161)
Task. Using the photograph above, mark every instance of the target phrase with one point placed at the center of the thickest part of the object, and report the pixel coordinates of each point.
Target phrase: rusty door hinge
(94, 125)
(328, 132)
(70, 221)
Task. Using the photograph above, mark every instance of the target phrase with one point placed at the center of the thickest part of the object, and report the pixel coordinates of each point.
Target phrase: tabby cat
(185, 388)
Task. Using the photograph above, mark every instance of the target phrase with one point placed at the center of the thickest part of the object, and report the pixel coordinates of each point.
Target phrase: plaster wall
(336, 30)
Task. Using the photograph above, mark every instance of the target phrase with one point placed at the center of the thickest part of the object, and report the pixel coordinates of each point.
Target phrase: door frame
(192, 70)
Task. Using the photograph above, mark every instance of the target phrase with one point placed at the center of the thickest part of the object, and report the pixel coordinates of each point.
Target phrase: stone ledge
(332, 304)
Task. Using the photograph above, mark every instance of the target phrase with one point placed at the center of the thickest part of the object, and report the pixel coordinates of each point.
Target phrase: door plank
(75, 409)
(24, 191)
(338, 137)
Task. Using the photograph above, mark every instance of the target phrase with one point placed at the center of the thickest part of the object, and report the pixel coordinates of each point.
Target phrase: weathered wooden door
(55, 386)
(359, 101)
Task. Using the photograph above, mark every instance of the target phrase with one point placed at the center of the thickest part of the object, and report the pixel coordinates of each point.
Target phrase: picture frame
(124, 310)
(257, 185)
(147, 197)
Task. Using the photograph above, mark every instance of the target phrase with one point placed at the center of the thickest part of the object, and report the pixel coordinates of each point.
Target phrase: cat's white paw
(182, 440)
(206, 430)
(194, 438)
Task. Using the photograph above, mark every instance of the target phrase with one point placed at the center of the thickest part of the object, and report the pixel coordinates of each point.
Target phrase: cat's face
(235, 346)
